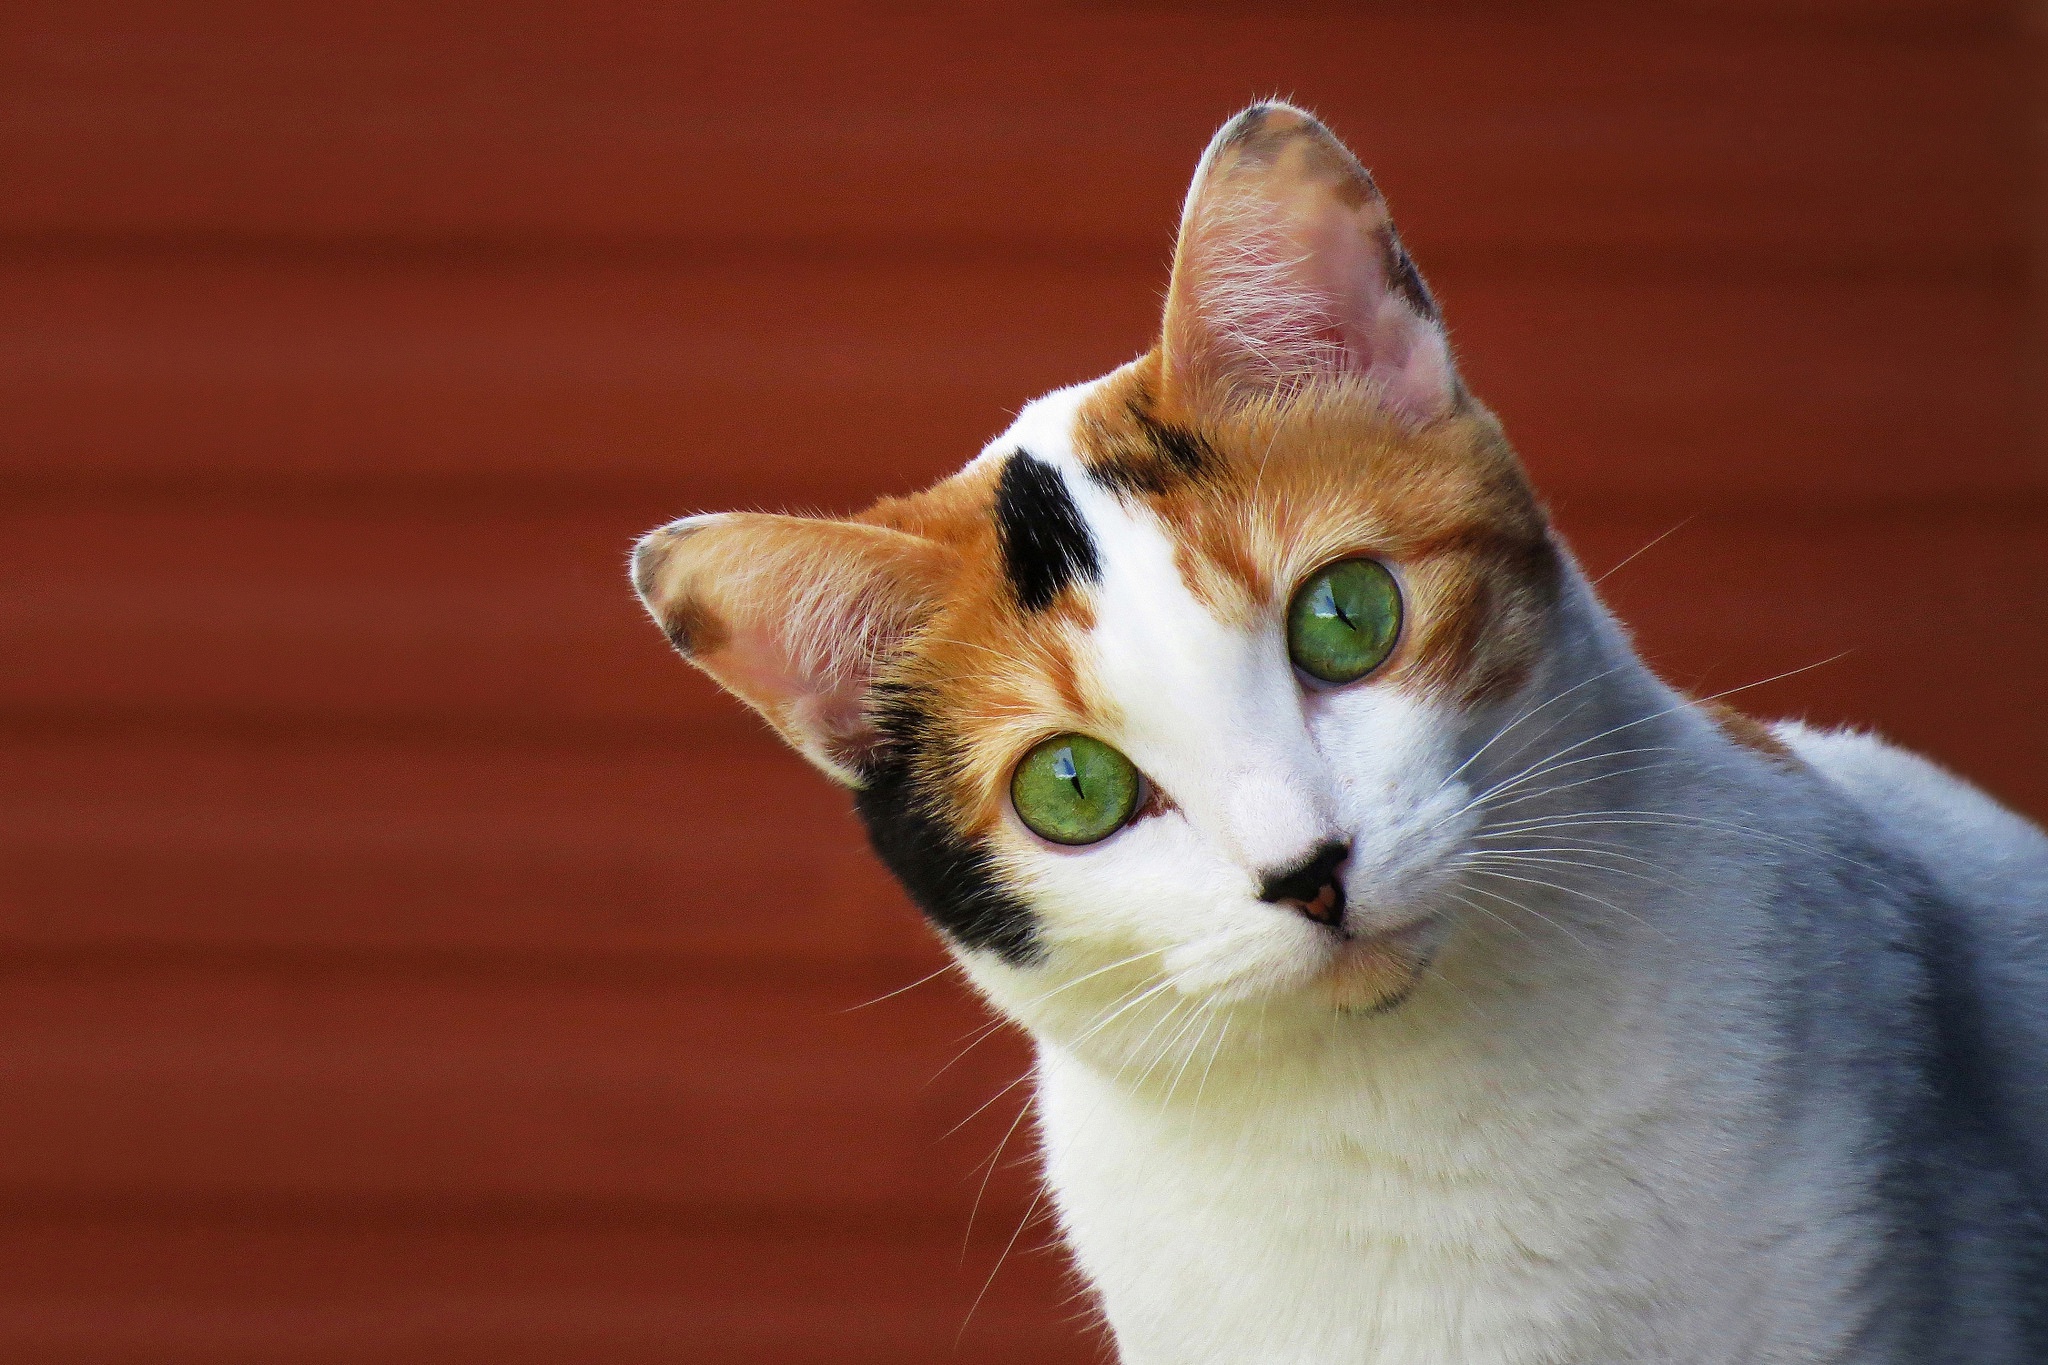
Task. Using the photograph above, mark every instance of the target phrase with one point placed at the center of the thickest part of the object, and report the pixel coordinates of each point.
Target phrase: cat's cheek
(1150, 883)
(1255, 958)
(1400, 797)
(1405, 850)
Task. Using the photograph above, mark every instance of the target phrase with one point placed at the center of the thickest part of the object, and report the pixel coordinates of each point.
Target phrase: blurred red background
(404, 958)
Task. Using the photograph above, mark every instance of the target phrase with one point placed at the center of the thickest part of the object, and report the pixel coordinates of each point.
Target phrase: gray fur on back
(1935, 1014)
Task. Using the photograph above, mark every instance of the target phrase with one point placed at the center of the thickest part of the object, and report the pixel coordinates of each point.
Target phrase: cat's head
(1179, 673)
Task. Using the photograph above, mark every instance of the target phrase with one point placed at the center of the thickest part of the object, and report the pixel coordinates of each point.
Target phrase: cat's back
(1989, 867)
(1975, 849)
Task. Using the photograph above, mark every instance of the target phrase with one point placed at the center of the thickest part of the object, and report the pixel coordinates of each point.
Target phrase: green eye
(1343, 621)
(1074, 790)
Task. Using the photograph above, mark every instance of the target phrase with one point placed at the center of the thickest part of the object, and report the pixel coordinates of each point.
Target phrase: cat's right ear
(1288, 272)
(794, 616)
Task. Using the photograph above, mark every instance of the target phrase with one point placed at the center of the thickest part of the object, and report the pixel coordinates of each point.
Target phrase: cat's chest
(1213, 1247)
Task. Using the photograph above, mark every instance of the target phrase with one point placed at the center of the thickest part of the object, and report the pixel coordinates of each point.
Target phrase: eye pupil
(1327, 606)
(1072, 789)
(1344, 620)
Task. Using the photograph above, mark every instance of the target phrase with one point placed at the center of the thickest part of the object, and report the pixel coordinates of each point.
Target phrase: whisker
(1259, 475)
(1588, 781)
(1008, 658)
(994, 1159)
(932, 976)
(1655, 541)
(1688, 703)
(1207, 1017)
(1216, 1050)
(1586, 846)
(1031, 1209)
(1090, 976)
(1493, 915)
(1166, 984)
(980, 1036)
(1559, 886)
(1546, 767)
(1666, 819)
(1530, 714)
(1517, 859)
(988, 1030)
(1529, 910)
(1173, 1012)
(982, 1108)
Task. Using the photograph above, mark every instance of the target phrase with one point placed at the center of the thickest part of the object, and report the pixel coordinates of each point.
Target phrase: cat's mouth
(1370, 973)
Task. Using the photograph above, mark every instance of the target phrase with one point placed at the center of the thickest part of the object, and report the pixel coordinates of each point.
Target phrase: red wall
(404, 958)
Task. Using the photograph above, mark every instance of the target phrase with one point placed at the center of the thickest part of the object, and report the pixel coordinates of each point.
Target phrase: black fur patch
(1404, 279)
(1162, 457)
(951, 879)
(1181, 450)
(1046, 545)
(1240, 129)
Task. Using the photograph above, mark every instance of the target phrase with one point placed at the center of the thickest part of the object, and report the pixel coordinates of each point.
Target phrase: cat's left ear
(1288, 270)
(795, 616)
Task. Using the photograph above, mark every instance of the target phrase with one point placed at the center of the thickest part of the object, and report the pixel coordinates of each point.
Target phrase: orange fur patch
(1289, 484)
(1749, 732)
(1002, 677)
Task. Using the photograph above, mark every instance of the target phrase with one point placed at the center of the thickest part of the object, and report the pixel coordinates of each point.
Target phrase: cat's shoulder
(1975, 848)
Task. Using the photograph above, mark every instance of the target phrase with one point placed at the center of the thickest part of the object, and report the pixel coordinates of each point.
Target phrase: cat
(1414, 977)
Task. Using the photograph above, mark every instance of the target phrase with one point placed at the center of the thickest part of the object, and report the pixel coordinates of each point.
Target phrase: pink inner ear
(823, 701)
(795, 615)
(1282, 293)
(1289, 270)
(1387, 341)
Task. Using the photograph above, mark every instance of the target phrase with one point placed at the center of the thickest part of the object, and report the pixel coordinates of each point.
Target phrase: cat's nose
(1311, 885)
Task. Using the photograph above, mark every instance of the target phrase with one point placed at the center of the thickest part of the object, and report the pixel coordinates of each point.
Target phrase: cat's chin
(1374, 973)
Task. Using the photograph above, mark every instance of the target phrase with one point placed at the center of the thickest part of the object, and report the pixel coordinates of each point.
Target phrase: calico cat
(1414, 976)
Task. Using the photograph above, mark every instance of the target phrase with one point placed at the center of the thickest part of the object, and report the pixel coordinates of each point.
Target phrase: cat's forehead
(1247, 499)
